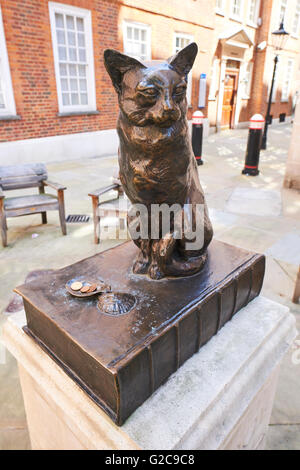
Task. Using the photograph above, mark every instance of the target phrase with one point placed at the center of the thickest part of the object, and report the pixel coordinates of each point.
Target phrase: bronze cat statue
(157, 164)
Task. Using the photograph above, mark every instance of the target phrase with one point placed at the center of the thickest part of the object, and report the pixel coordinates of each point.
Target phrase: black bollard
(254, 145)
(197, 136)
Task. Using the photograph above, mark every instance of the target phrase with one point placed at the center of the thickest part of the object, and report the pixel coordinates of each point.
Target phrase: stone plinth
(221, 398)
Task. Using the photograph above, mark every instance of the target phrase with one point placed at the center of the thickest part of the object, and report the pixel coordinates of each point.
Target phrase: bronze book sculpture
(157, 164)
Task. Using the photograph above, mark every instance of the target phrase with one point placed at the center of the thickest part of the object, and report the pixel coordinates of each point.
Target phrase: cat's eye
(179, 91)
(151, 92)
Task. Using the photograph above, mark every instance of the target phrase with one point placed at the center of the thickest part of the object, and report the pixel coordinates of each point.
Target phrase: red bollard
(254, 145)
(197, 135)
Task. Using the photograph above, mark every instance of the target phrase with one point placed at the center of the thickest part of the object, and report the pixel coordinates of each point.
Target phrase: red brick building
(56, 99)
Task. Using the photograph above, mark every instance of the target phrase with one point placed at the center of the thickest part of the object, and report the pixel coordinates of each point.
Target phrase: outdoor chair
(296, 295)
(106, 208)
(28, 176)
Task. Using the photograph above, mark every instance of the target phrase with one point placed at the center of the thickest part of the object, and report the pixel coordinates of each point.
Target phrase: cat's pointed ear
(117, 65)
(183, 61)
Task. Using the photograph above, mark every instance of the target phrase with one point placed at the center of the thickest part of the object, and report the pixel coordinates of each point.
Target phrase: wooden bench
(29, 176)
(296, 296)
(105, 208)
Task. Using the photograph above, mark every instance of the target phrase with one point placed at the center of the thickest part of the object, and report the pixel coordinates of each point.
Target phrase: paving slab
(283, 437)
(255, 202)
(286, 249)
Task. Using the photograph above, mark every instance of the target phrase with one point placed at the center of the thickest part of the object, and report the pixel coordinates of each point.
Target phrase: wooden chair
(107, 207)
(29, 176)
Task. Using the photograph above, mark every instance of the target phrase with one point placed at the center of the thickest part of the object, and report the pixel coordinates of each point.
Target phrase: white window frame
(90, 73)
(5, 76)
(283, 4)
(214, 80)
(256, 13)
(288, 79)
(247, 70)
(220, 10)
(296, 21)
(144, 26)
(190, 75)
(276, 82)
(233, 15)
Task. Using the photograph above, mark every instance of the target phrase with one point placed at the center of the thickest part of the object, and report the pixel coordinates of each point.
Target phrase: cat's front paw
(140, 267)
(154, 272)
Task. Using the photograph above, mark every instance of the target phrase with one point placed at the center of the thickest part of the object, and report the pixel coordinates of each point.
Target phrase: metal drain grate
(77, 219)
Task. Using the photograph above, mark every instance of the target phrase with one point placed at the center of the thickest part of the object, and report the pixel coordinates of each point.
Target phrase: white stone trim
(5, 76)
(239, 95)
(59, 148)
(221, 92)
(288, 79)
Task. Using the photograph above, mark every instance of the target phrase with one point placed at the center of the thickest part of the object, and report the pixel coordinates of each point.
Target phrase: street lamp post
(279, 38)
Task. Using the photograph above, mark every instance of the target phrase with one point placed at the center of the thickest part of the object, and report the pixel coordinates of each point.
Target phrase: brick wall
(29, 47)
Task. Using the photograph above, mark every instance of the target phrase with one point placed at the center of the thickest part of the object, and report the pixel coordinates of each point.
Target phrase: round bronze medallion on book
(116, 303)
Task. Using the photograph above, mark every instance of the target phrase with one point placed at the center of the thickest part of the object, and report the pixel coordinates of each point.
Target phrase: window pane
(136, 34)
(80, 25)
(82, 56)
(129, 32)
(181, 42)
(70, 22)
(72, 54)
(71, 39)
(83, 98)
(73, 83)
(72, 70)
(64, 84)
(62, 53)
(2, 105)
(63, 70)
(74, 98)
(236, 7)
(252, 9)
(81, 69)
(83, 85)
(60, 37)
(59, 20)
(81, 41)
(66, 100)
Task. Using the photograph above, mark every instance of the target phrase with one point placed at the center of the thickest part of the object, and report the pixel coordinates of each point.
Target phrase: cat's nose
(168, 114)
(168, 105)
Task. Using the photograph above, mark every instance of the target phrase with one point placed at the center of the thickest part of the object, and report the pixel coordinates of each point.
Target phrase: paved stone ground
(252, 212)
